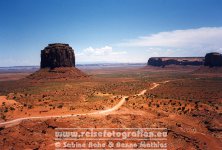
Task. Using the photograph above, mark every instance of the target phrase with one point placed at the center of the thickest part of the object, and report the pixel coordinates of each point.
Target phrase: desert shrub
(60, 106)
(173, 103)
(150, 103)
(196, 107)
(30, 106)
(183, 108)
(3, 117)
(178, 124)
(43, 131)
(12, 108)
(6, 110)
(3, 103)
(71, 108)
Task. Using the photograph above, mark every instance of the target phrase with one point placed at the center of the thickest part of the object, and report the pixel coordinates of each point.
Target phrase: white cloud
(102, 54)
(177, 43)
(98, 51)
(103, 51)
(206, 38)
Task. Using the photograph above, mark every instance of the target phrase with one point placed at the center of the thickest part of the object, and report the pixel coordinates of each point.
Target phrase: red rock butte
(57, 62)
(57, 55)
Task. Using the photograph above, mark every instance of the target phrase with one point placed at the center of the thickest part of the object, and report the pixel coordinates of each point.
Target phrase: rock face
(57, 63)
(57, 55)
(163, 61)
(213, 59)
(155, 61)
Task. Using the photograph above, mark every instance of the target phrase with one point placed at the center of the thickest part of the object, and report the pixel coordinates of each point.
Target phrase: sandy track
(17, 121)
(116, 107)
(154, 86)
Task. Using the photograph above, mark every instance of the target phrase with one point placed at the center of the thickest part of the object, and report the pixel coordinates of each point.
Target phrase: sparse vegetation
(177, 104)
(60, 106)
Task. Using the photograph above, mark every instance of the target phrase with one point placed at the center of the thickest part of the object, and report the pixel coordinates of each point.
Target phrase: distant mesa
(57, 55)
(57, 62)
(164, 61)
(213, 59)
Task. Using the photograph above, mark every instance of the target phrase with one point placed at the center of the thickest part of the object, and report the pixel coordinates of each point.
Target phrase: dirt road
(116, 107)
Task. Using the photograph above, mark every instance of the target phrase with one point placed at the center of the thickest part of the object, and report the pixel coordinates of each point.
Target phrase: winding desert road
(116, 107)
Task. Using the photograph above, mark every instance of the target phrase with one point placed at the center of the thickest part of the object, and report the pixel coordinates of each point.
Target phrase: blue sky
(109, 30)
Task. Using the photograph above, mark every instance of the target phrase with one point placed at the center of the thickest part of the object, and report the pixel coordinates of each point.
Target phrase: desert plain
(186, 100)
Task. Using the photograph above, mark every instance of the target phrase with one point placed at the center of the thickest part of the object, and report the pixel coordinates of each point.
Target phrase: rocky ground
(186, 103)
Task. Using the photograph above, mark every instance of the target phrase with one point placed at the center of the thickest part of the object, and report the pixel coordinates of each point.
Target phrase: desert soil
(186, 103)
